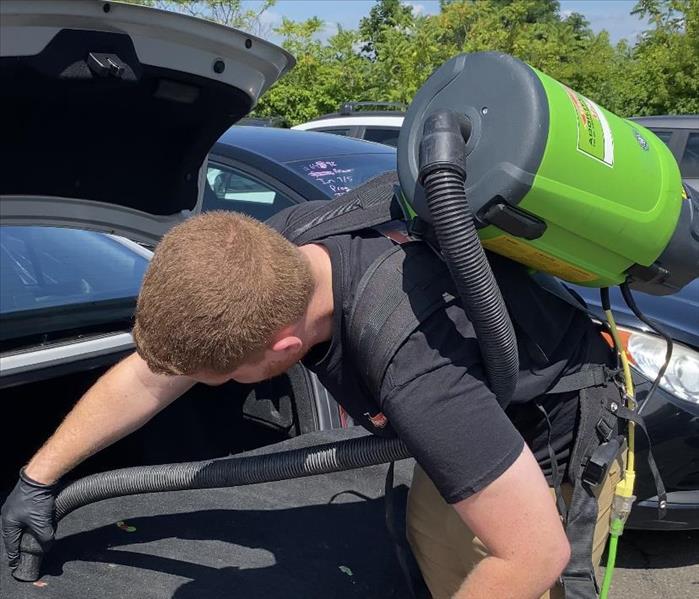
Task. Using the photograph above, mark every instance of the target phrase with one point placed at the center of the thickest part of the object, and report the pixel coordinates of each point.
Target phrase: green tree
(325, 75)
(227, 12)
(662, 76)
(385, 15)
(393, 51)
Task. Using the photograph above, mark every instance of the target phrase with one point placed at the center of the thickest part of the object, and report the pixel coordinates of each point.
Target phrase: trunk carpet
(316, 537)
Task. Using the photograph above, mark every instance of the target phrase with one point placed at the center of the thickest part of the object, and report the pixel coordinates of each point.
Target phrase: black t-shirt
(434, 393)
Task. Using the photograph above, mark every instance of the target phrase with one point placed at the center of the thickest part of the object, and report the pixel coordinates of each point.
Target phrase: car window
(335, 175)
(344, 131)
(665, 135)
(382, 136)
(689, 165)
(47, 267)
(229, 189)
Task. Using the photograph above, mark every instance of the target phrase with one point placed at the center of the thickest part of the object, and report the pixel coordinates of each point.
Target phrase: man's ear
(287, 343)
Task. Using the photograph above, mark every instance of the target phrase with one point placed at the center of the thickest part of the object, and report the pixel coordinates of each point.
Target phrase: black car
(681, 134)
(260, 170)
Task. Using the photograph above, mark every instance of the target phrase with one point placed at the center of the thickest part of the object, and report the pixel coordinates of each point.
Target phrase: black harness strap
(578, 578)
(596, 376)
(555, 474)
(626, 414)
(370, 204)
(401, 289)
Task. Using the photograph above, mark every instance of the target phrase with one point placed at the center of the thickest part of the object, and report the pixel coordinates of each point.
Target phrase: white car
(354, 119)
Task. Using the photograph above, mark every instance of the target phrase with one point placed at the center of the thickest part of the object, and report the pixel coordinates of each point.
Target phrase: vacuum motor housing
(557, 182)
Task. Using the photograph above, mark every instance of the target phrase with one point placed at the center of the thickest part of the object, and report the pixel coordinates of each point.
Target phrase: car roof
(383, 120)
(670, 121)
(359, 113)
(284, 145)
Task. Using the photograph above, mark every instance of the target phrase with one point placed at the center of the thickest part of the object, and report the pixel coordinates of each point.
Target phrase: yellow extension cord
(623, 493)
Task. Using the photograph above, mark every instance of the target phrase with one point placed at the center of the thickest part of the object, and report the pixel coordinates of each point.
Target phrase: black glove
(28, 507)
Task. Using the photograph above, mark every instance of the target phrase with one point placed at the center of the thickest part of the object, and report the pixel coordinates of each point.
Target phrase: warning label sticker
(538, 260)
(594, 134)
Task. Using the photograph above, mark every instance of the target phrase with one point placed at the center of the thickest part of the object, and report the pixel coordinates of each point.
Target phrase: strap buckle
(595, 471)
(579, 584)
(604, 430)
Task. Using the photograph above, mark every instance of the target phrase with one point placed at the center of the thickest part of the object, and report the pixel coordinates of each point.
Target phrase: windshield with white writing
(336, 175)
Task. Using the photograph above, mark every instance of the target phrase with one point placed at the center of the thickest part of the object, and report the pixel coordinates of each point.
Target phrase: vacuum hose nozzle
(445, 134)
(443, 176)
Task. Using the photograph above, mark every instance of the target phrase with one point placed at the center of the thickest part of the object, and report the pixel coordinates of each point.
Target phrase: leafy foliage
(226, 12)
(393, 51)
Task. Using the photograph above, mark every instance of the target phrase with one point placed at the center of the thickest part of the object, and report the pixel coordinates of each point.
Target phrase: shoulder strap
(370, 204)
(386, 310)
(597, 375)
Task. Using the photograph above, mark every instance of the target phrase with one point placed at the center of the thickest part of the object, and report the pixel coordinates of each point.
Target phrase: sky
(612, 15)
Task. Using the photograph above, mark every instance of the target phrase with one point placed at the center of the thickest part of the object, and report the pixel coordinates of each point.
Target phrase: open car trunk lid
(108, 111)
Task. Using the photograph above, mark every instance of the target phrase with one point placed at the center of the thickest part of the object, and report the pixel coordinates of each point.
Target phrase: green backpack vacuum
(495, 154)
(556, 182)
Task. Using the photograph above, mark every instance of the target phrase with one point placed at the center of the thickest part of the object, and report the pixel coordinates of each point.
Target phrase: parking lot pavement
(657, 565)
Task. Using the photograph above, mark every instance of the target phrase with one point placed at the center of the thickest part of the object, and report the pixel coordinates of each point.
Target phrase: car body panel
(86, 214)
(673, 121)
(674, 433)
(159, 37)
(58, 354)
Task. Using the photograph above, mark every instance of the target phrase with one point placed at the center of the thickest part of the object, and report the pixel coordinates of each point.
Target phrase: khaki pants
(446, 550)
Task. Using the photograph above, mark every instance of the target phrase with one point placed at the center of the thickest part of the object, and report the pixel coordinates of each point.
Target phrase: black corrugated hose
(443, 176)
(212, 474)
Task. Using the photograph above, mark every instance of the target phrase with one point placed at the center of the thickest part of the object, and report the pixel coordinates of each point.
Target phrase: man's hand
(29, 507)
(124, 399)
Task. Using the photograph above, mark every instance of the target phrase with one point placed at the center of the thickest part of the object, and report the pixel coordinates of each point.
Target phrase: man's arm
(516, 519)
(436, 398)
(120, 402)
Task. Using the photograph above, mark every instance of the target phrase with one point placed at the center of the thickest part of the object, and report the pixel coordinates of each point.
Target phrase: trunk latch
(106, 65)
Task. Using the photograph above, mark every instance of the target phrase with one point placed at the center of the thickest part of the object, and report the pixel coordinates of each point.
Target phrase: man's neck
(318, 322)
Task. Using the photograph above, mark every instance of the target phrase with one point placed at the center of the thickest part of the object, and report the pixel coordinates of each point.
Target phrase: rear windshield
(57, 278)
(336, 175)
(388, 136)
